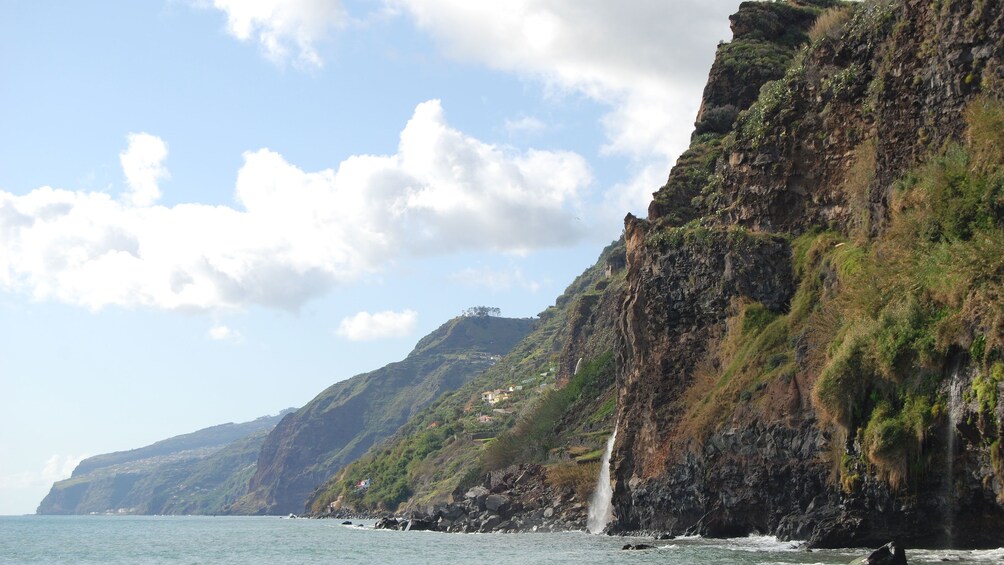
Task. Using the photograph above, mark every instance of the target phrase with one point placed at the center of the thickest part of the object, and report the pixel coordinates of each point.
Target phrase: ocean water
(156, 539)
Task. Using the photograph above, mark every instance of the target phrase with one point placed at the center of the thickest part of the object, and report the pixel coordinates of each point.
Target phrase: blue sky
(212, 210)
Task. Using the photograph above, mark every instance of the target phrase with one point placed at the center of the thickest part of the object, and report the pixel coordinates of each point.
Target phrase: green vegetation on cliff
(875, 321)
(878, 321)
(927, 293)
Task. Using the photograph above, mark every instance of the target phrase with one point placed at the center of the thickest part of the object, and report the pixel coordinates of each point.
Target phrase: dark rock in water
(888, 554)
(387, 524)
(421, 526)
(665, 535)
(638, 546)
(347, 523)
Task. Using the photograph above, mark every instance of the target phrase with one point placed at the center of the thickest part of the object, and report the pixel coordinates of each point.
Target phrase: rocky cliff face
(341, 423)
(780, 370)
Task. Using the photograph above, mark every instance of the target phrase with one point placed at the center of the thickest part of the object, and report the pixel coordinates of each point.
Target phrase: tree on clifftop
(482, 312)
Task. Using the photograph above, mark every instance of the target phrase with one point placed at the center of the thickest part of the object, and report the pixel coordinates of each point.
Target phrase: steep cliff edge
(345, 420)
(812, 335)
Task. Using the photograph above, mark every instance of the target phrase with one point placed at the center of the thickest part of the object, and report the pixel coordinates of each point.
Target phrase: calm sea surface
(155, 539)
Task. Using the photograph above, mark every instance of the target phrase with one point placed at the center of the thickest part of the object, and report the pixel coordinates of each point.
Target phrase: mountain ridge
(350, 416)
(165, 477)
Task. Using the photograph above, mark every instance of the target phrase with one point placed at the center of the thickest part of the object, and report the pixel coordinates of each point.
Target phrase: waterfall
(601, 509)
(955, 408)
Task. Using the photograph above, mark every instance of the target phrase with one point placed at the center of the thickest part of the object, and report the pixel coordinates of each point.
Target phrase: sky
(211, 210)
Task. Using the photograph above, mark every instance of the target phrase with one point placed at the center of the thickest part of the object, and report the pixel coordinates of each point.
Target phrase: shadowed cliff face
(340, 424)
(740, 280)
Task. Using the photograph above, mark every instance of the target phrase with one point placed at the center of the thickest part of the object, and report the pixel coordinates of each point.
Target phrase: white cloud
(495, 280)
(56, 468)
(143, 165)
(380, 325)
(647, 60)
(283, 26)
(525, 125)
(220, 332)
(296, 234)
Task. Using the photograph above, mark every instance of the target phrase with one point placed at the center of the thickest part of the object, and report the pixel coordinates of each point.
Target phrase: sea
(273, 540)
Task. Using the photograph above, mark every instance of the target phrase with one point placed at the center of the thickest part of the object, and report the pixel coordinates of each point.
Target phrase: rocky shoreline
(515, 499)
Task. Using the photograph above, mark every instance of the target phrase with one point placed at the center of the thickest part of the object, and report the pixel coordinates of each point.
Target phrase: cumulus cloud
(282, 27)
(380, 325)
(143, 165)
(648, 62)
(295, 234)
(56, 468)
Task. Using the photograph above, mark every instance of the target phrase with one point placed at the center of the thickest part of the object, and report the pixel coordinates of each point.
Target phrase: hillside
(346, 419)
(196, 473)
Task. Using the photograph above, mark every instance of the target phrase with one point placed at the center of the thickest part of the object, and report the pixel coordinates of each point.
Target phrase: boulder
(476, 492)
(421, 525)
(490, 524)
(888, 554)
(497, 503)
(452, 512)
(387, 523)
(638, 546)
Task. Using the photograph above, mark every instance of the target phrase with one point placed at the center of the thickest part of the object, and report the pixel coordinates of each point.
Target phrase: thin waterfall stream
(955, 408)
(601, 509)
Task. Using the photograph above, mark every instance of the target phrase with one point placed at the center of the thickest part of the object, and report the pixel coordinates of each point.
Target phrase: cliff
(196, 473)
(345, 420)
(811, 336)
